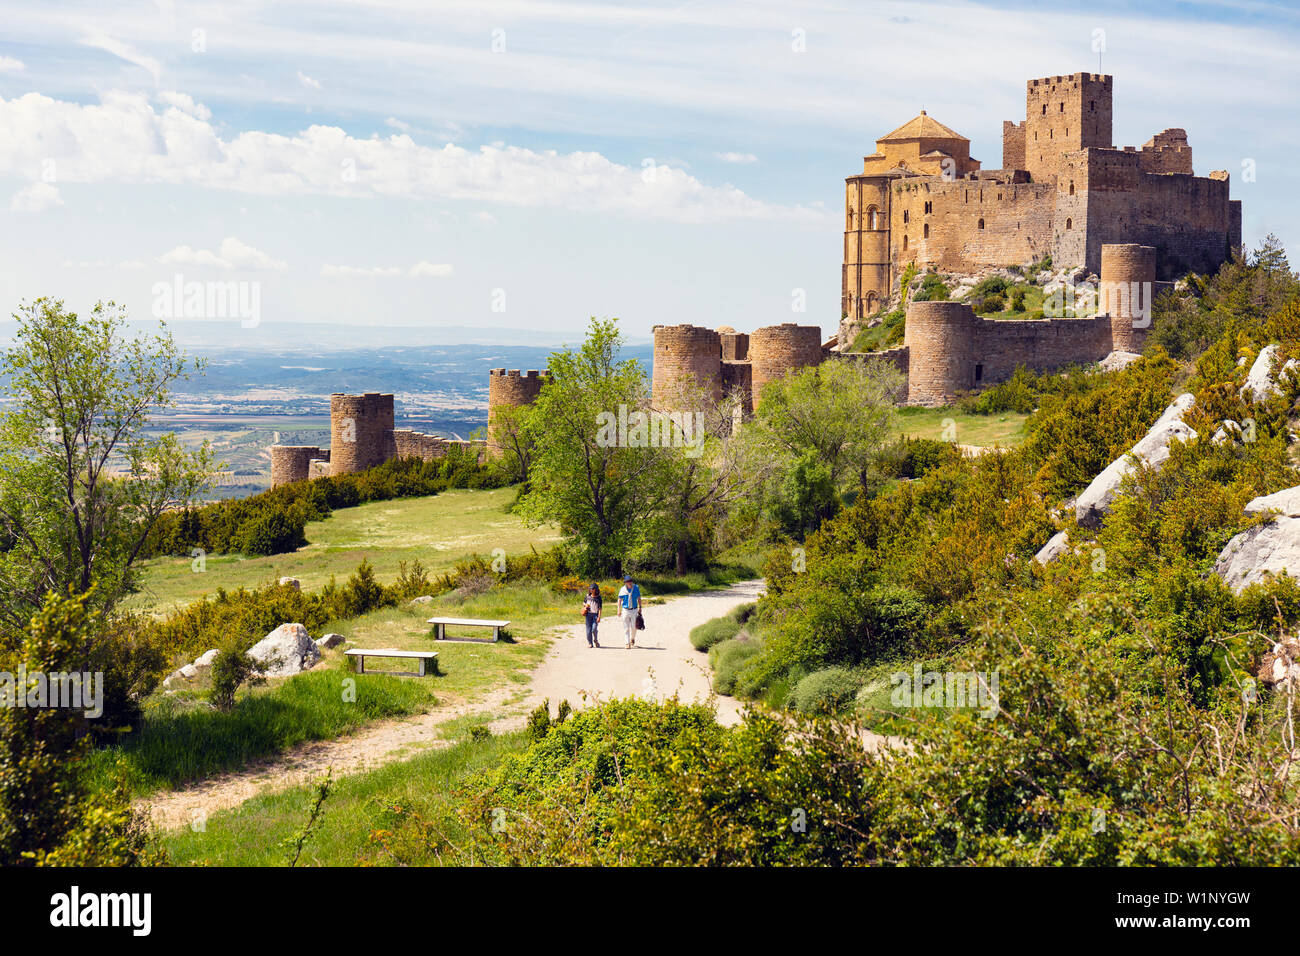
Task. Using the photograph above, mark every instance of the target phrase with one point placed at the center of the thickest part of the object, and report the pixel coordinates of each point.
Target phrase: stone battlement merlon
(1103, 78)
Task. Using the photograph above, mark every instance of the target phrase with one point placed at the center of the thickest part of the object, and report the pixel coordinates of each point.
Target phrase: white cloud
(737, 157)
(9, 64)
(124, 139)
(434, 270)
(101, 41)
(420, 269)
(395, 123)
(307, 81)
(185, 103)
(232, 254)
(37, 197)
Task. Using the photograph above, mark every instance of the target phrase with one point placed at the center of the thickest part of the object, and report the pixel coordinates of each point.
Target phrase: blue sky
(527, 164)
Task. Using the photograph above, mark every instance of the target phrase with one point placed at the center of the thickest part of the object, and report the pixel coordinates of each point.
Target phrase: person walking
(629, 604)
(592, 607)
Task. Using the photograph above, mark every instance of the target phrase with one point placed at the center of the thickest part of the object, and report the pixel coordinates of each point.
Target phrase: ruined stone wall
(778, 350)
(361, 431)
(509, 388)
(291, 463)
(1013, 145)
(1189, 219)
(739, 375)
(951, 350)
(1128, 274)
(965, 225)
(319, 468)
(685, 355)
(735, 346)
(1064, 114)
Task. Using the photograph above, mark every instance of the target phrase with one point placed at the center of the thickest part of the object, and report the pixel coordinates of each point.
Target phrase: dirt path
(662, 662)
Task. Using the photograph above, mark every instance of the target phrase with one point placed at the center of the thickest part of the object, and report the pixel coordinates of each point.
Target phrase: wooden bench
(359, 655)
(440, 627)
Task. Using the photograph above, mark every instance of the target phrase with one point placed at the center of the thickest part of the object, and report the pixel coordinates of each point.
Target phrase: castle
(1064, 190)
(1133, 217)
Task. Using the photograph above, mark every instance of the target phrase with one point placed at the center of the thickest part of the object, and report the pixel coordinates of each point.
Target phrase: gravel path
(662, 662)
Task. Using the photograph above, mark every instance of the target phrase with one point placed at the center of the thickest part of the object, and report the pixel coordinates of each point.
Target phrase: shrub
(231, 668)
(826, 691)
(990, 303)
(715, 631)
(741, 613)
(274, 532)
(728, 657)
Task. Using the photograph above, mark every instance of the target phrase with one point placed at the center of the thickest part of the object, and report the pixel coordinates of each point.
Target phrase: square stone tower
(1064, 114)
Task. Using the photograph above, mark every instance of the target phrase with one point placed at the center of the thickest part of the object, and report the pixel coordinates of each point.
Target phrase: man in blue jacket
(629, 605)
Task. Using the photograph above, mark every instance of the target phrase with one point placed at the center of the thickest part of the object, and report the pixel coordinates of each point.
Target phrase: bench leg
(422, 663)
(361, 664)
(496, 633)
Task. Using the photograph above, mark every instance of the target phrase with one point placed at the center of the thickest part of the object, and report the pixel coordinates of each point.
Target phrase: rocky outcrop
(330, 640)
(1261, 384)
(1281, 665)
(286, 651)
(1266, 549)
(1151, 450)
(1117, 360)
(1056, 546)
(291, 583)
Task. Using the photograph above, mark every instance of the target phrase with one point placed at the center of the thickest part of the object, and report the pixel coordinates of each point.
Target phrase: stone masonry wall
(777, 350)
(685, 355)
(291, 463)
(507, 388)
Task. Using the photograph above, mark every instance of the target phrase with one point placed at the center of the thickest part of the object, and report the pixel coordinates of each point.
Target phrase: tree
(589, 473)
(81, 482)
(705, 469)
(840, 411)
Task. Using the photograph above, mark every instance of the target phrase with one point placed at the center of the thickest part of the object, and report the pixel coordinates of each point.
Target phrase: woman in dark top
(591, 610)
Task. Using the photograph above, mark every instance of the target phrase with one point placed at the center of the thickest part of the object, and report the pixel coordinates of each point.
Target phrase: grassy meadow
(1005, 429)
(438, 530)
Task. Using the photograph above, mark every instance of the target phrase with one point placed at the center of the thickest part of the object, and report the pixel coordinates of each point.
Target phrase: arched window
(981, 223)
(873, 218)
(904, 241)
(925, 234)
(848, 222)
(1071, 188)
(1069, 224)
(871, 301)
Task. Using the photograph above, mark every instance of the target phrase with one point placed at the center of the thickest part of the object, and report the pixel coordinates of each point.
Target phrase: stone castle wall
(509, 388)
(291, 463)
(778, 350)
(687, 356)
(1128, 279)
(361, 431)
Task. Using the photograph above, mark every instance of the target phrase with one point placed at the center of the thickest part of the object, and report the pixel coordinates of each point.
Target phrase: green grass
(399, 814)
(183, 740)
(1006, 429)
(438, 530)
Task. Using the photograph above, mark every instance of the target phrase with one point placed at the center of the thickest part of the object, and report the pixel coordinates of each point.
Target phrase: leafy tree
(599, 488)
(81, 482)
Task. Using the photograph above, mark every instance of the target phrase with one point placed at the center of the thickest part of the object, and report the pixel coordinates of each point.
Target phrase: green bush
(728, 657)
(826, 691)
(274, 532)
(231, 668)
(715, 631)
(741, 613)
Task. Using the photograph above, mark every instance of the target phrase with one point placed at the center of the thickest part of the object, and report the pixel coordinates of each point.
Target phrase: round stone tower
(778, 350)
(292, 463)
(510, 388)
(361, 431)
(940, 340)
(1128, 275)
(685, 354)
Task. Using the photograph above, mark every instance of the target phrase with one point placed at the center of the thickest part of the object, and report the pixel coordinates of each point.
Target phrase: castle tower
(1128, 275)
(940, 338)
(361, 431)
(777, 350)
(1064, 114)
(291, 463)
(509, 388)
(685, 355)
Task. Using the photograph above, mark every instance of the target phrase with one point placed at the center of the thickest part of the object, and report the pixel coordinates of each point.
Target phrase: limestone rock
(1152, 450)
(206, 658)
(1117, 360)
(422, 599)
(291, 582)
(1056, 546)
(1281, 665)
(285, 651)
(1228, 431)
(330, 640)
(189, 672)
(1257, 552)
(1261, 384)
(1286, 502)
